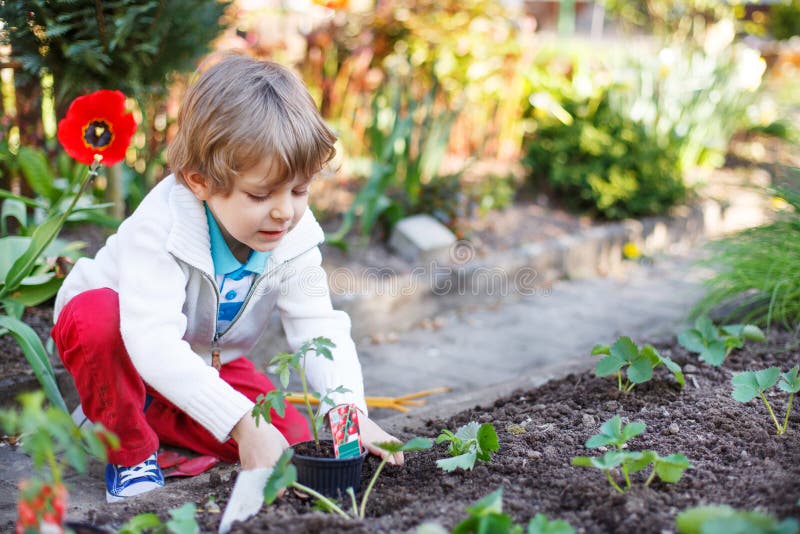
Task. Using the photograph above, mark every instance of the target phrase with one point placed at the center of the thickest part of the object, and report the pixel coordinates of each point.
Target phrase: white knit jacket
(159, 262)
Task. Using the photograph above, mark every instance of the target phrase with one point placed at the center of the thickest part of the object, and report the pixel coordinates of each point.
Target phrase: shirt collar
(224, 260)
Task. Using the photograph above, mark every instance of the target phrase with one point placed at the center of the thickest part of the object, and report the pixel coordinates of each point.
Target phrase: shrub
(784, 19)
(597, 160)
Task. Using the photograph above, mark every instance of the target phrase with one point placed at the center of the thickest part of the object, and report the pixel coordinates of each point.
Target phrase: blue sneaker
(123, 481)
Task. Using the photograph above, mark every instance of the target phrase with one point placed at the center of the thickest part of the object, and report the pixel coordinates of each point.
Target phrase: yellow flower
(631, 251)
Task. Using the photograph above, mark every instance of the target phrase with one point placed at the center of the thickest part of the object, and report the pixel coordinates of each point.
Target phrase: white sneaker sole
(144, 487)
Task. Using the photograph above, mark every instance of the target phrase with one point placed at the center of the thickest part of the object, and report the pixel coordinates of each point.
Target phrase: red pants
(112, 392)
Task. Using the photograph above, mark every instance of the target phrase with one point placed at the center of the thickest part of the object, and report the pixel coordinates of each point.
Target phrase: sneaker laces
(142, 470)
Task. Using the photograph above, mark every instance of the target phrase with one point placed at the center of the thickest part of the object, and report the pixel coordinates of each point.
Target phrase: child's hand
(372, 433)
(259, 446)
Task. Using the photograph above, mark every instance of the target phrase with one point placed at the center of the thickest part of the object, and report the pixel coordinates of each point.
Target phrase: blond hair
(242, 111)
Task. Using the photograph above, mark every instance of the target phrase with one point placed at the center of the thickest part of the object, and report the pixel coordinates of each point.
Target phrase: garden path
(537, 334)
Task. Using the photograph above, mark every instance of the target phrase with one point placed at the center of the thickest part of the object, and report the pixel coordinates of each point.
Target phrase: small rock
(588, 420)
(674, 429)
(534, 455)
(743, 455)
(689, 368)
(539, 407)
(550, 451)
(611, 405)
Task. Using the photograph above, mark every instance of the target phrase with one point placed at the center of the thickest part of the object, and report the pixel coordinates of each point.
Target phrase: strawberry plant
(471, 442)
(284, 363)
(284, 475)
(486, 516)
(640, 363)
(612, 432)
(748, 385)
(182, 521)
(722, 519)
(53, 442)
(714, 344)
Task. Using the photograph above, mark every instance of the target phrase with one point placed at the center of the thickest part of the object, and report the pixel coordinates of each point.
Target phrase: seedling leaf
(464, 461)
(790, 382)
(487, 441)
(283, 474)
(640, 370)
(745, 386)
(539, 524)
(609, 460)
(670, 468)
(714, 353)
(183, 521)
(414, 444)
(613, 433)
(691, 340)
(609, 365)
(625, 349)
(600, 349)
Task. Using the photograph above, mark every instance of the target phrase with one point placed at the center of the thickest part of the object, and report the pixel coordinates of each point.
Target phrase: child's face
(257, 213)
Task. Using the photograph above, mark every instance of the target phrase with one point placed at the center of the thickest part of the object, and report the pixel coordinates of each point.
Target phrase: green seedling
(471, 442)
(284, 475)
(182, 521)
(486, 516)
(714, 344)
(722, 519)
(640, 363)
(666, 468)
(751, 384)
(284, 363)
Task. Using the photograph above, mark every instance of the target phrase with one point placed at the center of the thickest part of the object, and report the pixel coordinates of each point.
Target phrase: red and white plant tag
(345, 431)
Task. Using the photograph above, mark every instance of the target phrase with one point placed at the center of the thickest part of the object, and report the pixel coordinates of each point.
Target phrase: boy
(154, 329)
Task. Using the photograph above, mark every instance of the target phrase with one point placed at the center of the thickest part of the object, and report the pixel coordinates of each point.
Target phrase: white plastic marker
(246, 498)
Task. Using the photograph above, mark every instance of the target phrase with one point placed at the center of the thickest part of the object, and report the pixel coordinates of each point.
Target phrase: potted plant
(317, 465)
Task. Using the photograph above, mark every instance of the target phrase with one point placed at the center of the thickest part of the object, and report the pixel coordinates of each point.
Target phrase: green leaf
(691, 520)
(487, 440)
(638, 460)
(706, 328)
(16, 209)
(790, 382)
(183, 521)
(490, 504)
(745, 386)
(714, 353)
(140, 523)
(601, 349)
(692, 340)
(42, 237)
(625, 349)
(674, 368)
(609, 460)
(414, 444)
(670, 468)
(613, 433)
(34, 352)
(751, 332)
(463, 461)
(33, 295)
(640, 370)
(767, 378)
(38, 174)
(539, 524)
(283, 474)
(608, 365)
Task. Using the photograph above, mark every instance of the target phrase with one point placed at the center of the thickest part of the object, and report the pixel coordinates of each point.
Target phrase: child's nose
(282, 209)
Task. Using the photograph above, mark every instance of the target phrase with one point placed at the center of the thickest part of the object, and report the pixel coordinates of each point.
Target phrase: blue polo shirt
(234, 278)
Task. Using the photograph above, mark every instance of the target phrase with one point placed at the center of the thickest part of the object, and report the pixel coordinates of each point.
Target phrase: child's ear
(198, 184)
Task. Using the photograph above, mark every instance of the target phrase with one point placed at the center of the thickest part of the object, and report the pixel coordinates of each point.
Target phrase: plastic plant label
(345, 431)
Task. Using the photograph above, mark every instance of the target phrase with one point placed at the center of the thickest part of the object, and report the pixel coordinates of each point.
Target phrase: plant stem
(627, 476)
(54, 469)
(650, 478)
(771, 413)
(629, 386)
(332, 505)
(788, 411)
(353, 501)
(611, 480)
(619, 381)
(308, 402)
(370, 485)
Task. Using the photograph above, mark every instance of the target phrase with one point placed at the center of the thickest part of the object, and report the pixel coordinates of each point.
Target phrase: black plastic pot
(327, 475)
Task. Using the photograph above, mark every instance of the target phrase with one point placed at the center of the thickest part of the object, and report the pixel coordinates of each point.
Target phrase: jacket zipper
(215, 351)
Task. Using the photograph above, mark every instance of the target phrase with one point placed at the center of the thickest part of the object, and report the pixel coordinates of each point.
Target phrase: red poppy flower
(97, 124)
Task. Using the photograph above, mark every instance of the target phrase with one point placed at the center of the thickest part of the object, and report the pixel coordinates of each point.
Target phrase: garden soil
(736, 456)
